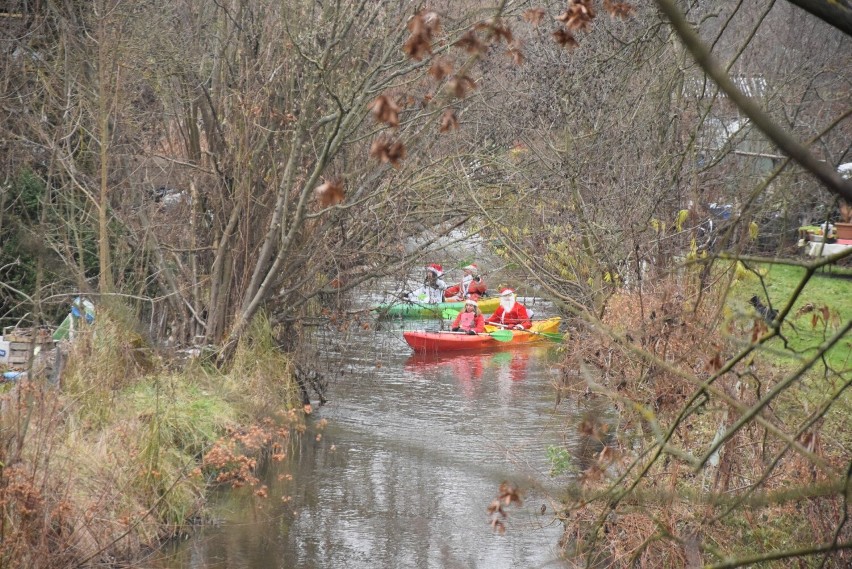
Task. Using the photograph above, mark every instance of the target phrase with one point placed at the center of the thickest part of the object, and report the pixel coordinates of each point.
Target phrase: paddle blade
(553, 336)
(502, 335)
(449, 314)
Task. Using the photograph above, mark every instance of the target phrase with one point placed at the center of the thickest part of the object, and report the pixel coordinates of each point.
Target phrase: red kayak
(446, 341)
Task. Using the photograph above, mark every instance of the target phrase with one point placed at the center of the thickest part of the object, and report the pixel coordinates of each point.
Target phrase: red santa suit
(471, 286)
(510, 313)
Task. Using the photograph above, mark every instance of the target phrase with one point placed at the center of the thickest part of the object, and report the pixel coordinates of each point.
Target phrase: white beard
(507, 304)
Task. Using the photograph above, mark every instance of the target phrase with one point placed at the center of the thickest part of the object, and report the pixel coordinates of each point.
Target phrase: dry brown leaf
(534, 15)
(425, 23)
(449, 121)
(432, 21)
(578, 16)
(459, 85)
(441, 68)
(502, 31)
(386, 150)
(423, 27)
(758, 329)
(470, 42)
(509, 493)
(330, 192)
(621, 10)
(715, 363)
(565, 38)
(515, 53)
(417, 47)
(607, 455)
(386, 110)
(806, 309)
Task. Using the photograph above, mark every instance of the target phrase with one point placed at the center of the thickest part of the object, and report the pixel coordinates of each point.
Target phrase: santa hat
(507, 292)
(471, 267)
(436, 268)
(471, 301)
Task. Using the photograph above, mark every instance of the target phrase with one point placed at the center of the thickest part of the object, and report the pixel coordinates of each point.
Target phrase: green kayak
(438, 310)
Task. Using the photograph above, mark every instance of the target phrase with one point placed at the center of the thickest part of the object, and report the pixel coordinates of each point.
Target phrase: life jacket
(467, 320)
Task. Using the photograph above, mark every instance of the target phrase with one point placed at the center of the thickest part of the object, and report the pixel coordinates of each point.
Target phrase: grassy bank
(824, 302)
(122, 453)
(729, 449)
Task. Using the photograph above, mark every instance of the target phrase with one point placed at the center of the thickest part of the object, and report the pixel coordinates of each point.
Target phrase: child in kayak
(469, 320)
(432, 291)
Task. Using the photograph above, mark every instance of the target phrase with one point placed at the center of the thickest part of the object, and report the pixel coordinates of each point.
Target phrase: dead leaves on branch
(819, 314)
(441, 68)
(460, 85)
(386, 110)
(384, 148)
(330, 192)
(503, 32)
(470, 42)
(621, 10)
(515, 53)
(578, 16)
(565, 38)
(449, 121)
(387, 150)
(715, 363)
(424, 26)
(494, 31)
(507, 494)
(534, 16)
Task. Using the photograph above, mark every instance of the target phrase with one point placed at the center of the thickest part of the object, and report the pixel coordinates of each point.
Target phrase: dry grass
(121, 456)
(643, 501)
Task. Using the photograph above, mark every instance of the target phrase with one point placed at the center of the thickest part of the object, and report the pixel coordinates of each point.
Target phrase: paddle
(449, 314)
(499, 335)
(553, 336)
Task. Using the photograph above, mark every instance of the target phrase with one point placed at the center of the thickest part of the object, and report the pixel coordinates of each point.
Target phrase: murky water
(414, 450)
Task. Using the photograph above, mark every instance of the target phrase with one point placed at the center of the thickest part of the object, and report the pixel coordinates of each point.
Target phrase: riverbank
(733, 439)
(122, 455)
(415, 449)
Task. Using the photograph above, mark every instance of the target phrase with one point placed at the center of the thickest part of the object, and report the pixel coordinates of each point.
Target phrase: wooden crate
(20, 341)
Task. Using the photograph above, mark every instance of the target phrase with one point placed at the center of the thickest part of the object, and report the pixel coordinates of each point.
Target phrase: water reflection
(468, 369)
(414, 450)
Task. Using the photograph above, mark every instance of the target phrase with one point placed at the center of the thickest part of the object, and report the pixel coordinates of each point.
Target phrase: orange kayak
(446, 341)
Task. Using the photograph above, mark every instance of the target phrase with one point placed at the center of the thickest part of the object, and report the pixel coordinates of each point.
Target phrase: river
(398, 468)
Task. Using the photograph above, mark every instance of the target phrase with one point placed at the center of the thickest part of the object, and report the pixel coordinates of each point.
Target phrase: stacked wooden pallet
(19, 341)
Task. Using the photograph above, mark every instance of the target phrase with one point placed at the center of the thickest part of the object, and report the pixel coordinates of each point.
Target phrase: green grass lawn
(804, 328)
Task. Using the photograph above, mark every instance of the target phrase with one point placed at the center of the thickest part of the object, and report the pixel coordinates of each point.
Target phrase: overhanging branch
(786, 142)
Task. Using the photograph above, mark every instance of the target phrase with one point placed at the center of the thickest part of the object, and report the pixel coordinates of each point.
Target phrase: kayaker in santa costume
(510, 313)
(471, 285)
(433, 287)
(469, 320)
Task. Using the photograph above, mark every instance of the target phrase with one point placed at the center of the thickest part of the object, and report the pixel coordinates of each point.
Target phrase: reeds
(120, 457)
